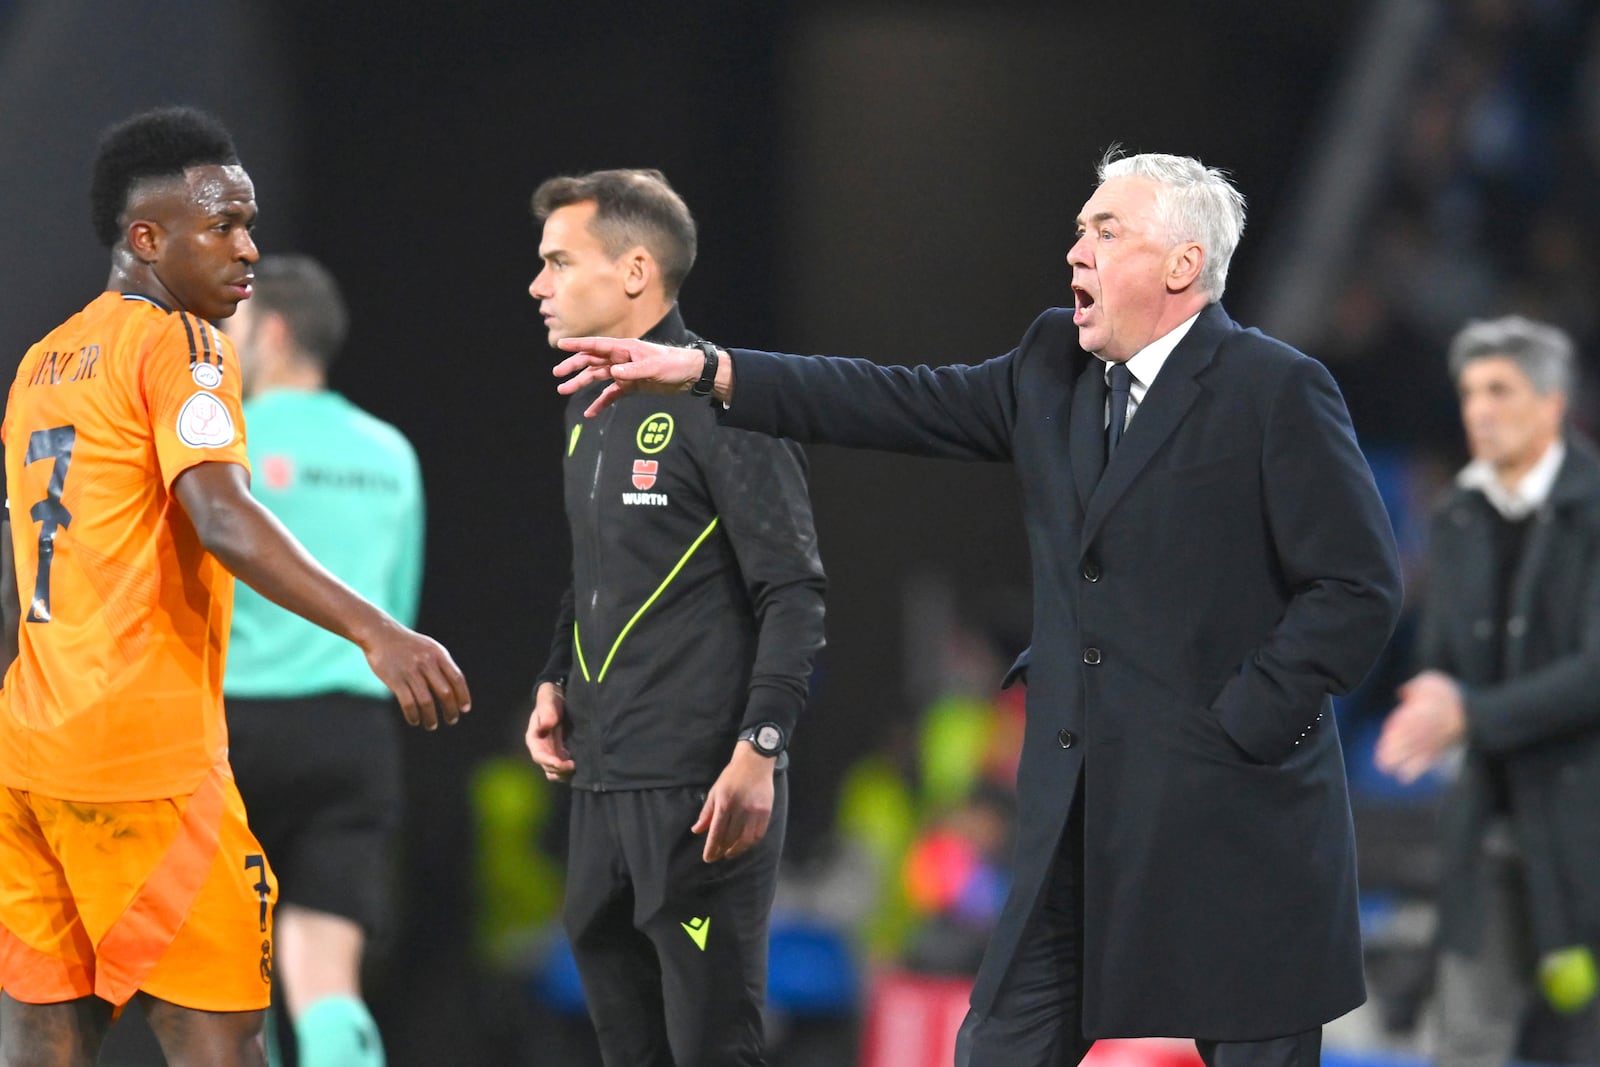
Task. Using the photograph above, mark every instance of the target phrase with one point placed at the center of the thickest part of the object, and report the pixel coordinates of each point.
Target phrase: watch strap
(766, 738)
(708, 374)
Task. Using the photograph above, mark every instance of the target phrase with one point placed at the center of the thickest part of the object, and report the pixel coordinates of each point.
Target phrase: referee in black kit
(681, 653)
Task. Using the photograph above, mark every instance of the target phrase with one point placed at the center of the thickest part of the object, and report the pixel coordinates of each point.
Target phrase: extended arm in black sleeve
(758, 484)
(953, 412)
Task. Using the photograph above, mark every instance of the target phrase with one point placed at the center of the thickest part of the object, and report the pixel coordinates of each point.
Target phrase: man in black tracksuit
(680, 659)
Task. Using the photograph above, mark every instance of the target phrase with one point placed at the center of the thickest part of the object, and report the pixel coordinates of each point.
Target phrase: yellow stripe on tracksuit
(577, 645)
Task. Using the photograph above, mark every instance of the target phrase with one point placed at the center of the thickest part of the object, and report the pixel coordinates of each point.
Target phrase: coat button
(1516, 626)
(1091, 656)
(1091, 571)
(1066, 739)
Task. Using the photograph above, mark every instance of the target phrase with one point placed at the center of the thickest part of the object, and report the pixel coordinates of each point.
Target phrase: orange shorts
(171, 897)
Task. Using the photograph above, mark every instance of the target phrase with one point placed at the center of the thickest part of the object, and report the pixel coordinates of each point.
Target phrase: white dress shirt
(1145, 364)
(1530, 493)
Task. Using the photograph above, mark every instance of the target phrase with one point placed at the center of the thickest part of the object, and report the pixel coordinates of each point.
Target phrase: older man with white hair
(1211, 562)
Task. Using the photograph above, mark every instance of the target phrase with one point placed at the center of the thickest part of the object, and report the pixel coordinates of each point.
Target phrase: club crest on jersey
(206, 375)
(654, 433)
(644, 472)
(205, 423)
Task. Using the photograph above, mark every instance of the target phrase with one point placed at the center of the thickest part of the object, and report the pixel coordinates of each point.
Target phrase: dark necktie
(1121, 387)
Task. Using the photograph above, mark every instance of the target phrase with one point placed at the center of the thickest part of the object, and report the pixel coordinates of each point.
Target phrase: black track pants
(672, 950)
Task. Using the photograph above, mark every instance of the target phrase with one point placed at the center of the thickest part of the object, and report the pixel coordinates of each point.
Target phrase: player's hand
(547, 733)
(738, 808)
(1429, 720)
(421, 674)
(628, 365)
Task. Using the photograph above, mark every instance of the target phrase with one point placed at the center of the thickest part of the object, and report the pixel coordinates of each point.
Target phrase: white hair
(1195, 202)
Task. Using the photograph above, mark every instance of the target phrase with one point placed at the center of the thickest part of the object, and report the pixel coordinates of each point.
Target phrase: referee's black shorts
(672, 950)
(320, 777)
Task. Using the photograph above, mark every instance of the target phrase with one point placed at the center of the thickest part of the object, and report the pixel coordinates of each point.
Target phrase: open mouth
(1082, 301)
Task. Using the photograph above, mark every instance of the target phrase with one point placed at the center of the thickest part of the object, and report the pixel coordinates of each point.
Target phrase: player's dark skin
(70, 1034)
(186, 242)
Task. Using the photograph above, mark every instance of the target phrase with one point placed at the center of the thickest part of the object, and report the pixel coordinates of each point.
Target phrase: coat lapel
(1164, 407)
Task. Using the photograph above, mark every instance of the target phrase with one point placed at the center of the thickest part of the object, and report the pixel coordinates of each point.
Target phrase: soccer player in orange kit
(126, 865)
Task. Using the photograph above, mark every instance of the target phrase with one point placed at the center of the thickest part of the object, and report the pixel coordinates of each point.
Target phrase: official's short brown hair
(632, 207)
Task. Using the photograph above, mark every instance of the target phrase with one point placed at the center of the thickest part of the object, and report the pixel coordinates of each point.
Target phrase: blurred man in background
(314, 745)
(126, 864)
(681, 654)
(1509, 644)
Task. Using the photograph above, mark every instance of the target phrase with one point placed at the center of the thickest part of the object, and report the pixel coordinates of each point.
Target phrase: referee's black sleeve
(758, 485)
(559, 662)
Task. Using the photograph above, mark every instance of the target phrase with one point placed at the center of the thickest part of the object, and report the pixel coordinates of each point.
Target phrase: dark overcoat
(1193, 608)
(1542, 721)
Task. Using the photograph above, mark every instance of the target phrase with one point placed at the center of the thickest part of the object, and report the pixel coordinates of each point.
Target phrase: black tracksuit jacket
(696, 600)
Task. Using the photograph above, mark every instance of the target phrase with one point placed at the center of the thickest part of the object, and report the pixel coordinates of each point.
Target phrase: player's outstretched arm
(635, 366)
(259, 551)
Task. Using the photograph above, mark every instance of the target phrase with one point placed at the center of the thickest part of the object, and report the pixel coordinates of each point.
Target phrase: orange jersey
(116, 693)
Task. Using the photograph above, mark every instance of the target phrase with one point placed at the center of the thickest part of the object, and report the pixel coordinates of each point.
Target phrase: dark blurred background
(881, 179)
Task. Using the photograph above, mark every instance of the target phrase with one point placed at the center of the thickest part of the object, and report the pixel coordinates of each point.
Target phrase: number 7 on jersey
(54, 444)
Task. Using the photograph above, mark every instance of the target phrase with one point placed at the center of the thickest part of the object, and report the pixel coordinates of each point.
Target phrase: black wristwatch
(708, 376)
(765, 737)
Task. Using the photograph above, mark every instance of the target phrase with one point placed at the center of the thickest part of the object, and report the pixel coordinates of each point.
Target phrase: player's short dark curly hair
(160, 143)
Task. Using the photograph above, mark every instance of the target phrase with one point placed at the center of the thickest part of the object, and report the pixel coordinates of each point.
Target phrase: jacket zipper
(598, 440)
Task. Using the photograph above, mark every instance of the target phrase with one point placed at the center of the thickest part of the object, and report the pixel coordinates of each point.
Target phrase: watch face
(769, 739)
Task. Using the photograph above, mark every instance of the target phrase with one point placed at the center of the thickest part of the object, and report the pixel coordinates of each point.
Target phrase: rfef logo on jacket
(654, 433)
(644, 472)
